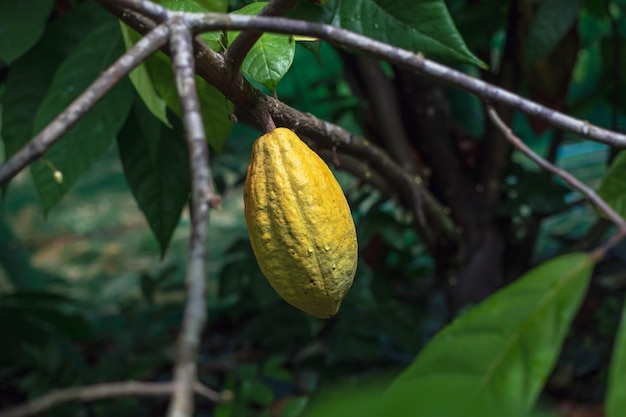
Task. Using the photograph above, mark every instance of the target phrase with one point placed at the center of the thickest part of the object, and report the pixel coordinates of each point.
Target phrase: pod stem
(265, 118)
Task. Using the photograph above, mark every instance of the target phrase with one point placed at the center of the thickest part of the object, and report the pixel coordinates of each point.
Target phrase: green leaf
(30, 76)
(495, 359)
(551, 23)
(142, 82)
(616, 392)
(418, 25)
(613, 186)
(214, 106)
(22, 22)
(270, 58)
(93, 134)
(156, 166)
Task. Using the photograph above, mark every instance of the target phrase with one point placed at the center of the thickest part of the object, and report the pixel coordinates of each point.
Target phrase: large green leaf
(613, 186)
(30, 76)
(551, 23)
(156, 166)
(490, 362)
(419, 25)
(21, 24)
(616, 393)
(93, 134)
(270, 58)
(494, 360)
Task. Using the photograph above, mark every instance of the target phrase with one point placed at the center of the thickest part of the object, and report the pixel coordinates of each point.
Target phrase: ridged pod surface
(300, 225)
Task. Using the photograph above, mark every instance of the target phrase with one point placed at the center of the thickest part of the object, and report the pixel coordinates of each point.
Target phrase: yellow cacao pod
(299, 222)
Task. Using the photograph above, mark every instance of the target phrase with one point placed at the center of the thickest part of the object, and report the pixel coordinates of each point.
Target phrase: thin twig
(409, 59)
(103, 391)
(202, 198)
(72, 114)
(209, 22)
(569, 179)
(237, 51)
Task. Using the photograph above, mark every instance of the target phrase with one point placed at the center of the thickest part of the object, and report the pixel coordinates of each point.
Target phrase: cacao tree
(454, 128)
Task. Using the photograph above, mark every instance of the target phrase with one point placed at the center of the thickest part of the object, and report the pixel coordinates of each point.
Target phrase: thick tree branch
(207, 22)
(202, 197)
(398, 56)
(237, 51)
(64, 121)
(569, 179)
(104, 391)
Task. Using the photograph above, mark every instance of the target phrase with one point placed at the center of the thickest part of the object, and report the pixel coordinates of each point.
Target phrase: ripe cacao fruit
(300, 226)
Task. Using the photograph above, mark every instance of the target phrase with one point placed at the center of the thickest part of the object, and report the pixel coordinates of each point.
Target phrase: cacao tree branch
(202, 197)
(208, 22)
(203, 22)
(72, 114)
(434, 222)
(103, 391)
(238, 50)
(568, 178)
